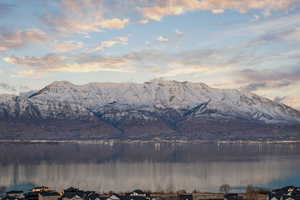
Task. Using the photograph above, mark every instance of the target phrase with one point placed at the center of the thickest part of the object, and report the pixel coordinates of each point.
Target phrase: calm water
(123, 167)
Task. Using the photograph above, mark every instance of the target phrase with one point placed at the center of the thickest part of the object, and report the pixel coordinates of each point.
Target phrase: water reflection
(123, 167)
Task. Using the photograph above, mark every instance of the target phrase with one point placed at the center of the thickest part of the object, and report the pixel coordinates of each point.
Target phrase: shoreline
(117, 141)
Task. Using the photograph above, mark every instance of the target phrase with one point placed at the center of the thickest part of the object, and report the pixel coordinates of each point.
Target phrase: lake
(151, 166)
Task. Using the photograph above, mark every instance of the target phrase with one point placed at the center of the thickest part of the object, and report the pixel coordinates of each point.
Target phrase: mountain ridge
(151, 109)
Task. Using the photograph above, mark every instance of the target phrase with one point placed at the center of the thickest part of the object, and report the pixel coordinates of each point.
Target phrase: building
(40, 189)
(31, 196)
(114, 197)
(9, 198)
(15, 194)
(138, 193)
(94, 196)
(273, 196)
(285, 193)
(185, 197)
(50, 195)
(231, 196)
(73, 194)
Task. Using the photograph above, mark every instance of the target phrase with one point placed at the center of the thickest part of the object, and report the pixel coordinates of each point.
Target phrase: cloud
(5, 9)
(36, 62)
(169, 64)
(110, 64)
(144, 21)
(30, 73)
(178, 33)
(18, 39)
(38, 66)
(218, 11)
(163, 64)
(204, 63)
(277, 35)
(177, 7)
(12, 89)
(262, 80)
(293, 101)
(162, 39)
(279, 99)
(67, 46)
(83, 16)
(176, 69)
(111, 43)
(8, 88)
(291, 74)
(114, 23)
(256, 17)
(268, 31)
(266, 85)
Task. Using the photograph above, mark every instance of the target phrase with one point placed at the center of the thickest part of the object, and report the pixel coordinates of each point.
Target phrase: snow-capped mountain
(155, 106)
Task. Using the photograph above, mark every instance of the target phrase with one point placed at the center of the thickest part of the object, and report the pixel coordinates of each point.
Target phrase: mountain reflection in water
(123, 167)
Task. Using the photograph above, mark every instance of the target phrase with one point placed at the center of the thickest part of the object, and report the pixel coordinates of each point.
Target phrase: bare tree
(251, 193)
(225, 188)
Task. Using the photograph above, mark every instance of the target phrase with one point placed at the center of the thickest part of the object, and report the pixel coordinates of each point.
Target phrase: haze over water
(124, 167)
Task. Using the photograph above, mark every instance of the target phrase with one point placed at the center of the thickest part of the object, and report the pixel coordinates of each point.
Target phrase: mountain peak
(60, 84)
(171, 82)
(54, 86)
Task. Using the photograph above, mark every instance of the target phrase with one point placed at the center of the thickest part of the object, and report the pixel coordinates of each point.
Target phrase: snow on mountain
(148, 101)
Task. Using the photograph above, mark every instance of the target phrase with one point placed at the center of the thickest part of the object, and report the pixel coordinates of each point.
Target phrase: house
(15, 194)
(94, 196)
(137, 198)
(73, 194)
(285, 193)
(9, 198)
(114, 197)
(31, 196)
(216, 199)
(294, 195)
(273, 196)
(49, 195)
(231, 196)
(185, 197)
(138, 193)
(40, 189)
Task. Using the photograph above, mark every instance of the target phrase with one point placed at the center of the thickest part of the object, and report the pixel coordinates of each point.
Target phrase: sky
(252, 45)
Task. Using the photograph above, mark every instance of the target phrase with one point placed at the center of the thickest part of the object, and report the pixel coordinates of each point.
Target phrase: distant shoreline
(116, 141)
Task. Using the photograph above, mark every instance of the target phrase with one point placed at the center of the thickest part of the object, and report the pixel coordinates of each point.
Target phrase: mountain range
(155, 109)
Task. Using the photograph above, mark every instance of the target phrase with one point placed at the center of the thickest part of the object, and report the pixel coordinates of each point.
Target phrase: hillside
(164, 109)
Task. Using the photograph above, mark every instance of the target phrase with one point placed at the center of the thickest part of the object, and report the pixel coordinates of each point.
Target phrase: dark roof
(94, 195)
(138, 191)
(125, 197)
(216, 199)
(69, 194)
(231, 196)
(40, 187)
(8, 198)
(52, 193)
(185, 196)
(136, 198)
(15, 192)
(293, 196)
(73, 194)
(71, 189)
(284, 189)
(31, 194)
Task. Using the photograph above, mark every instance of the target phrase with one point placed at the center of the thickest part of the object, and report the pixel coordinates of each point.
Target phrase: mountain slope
(153, 109)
